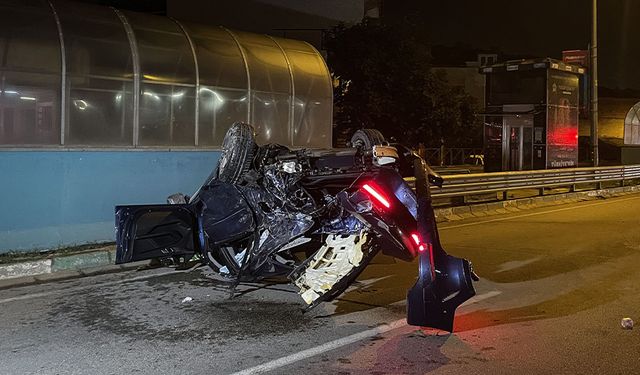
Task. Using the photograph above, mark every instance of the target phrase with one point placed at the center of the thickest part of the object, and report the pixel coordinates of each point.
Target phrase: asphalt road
(555, 284)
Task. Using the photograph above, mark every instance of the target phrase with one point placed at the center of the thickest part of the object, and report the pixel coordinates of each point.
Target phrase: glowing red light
(563, 136)
(418, 241)
(416, 238)
(377, 195)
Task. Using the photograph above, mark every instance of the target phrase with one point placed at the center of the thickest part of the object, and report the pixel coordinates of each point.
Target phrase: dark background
(541, 28)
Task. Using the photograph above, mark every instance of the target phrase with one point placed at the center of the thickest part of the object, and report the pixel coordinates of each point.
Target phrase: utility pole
(594, 85)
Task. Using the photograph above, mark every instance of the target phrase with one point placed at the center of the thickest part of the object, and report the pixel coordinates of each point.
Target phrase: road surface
(555, 284)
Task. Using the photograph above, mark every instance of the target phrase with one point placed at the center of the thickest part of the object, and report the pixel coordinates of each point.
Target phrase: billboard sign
(562, 120)
(576, 57)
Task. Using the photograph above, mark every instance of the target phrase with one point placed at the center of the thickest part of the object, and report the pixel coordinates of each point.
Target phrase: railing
(450, 156)
(503, 182)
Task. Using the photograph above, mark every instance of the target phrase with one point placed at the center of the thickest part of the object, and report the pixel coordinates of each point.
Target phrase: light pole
(594, 85)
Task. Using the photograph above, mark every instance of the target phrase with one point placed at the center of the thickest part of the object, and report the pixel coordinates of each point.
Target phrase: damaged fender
(444, 282)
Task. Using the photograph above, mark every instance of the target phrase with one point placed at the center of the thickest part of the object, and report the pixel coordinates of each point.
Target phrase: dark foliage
(383, 80)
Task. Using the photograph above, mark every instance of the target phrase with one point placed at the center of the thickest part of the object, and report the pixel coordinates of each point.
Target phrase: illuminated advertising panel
(562, 120)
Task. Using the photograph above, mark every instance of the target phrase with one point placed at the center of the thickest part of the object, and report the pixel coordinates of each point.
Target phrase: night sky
(541, 28)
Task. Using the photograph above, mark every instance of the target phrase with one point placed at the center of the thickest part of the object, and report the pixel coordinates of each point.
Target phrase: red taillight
(377, 195)
(416, 239)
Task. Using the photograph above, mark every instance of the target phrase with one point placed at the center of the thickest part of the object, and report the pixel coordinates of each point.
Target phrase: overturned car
(317, 217)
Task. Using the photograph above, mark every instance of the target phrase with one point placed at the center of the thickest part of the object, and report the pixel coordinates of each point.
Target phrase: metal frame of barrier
(503, 182)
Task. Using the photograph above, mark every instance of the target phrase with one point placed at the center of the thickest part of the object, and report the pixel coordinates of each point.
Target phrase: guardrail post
(599, 185)
(572, 188)
(541, 192)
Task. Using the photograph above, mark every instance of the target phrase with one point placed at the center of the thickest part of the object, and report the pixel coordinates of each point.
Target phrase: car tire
(367, 138)
(238, 148)
(225, 260)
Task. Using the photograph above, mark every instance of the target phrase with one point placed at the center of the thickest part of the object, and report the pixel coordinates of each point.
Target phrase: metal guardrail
(449, 156)
(503, 182)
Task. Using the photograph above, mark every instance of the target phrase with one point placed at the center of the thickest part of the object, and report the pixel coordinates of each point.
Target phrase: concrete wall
(611, 115)
(52, 199)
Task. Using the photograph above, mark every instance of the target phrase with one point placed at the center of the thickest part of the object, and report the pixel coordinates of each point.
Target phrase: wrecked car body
(317, 217)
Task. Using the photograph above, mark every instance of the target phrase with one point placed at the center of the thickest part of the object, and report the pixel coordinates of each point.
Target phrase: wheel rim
(229, 257)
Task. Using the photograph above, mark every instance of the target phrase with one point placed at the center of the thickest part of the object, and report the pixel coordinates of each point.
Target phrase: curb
(58, 263)
(63, 267)
(101, 261)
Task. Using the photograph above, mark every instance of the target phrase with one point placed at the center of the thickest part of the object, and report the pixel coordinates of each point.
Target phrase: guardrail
(450, 156)
(503, 182)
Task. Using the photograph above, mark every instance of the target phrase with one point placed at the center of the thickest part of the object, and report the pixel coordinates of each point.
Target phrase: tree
(383, 80)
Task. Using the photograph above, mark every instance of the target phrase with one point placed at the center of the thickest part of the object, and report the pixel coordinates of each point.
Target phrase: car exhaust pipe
(444, 282)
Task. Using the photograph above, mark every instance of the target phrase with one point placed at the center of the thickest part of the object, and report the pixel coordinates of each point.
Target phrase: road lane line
(534, 214)
(475, 299)
(331, 345)
(338, 343)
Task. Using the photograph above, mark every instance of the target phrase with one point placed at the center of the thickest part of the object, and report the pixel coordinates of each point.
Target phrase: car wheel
(227, 259)
(238, 148)
(367, 138)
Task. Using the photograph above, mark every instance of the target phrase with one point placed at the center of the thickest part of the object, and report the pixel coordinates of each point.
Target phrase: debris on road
(187, 299)
(627, 323)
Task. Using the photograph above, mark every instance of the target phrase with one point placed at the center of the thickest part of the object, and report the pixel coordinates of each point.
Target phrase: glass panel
(515, 152)
(268, 68)
(526, 87)
(219, 109)
(100, 112)
(271, 117)
(220, 63)
(31, 38)
(165, 54)
(310, 76)
(312, 123)
(297, 45)
(95, 41)
(493, 144)
(219, 59)
(251, 38)
(527, 149)
(312, 113)
(29, 109)
(167, 116)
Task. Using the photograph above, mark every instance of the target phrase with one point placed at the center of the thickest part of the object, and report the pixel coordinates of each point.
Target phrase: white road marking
(535, 214)
(481, 297)
(338, 343)
(331, 345)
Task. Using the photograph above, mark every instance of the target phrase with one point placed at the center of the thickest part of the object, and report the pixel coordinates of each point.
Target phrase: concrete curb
(59, 262)
(63, 266)
(101, 261)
